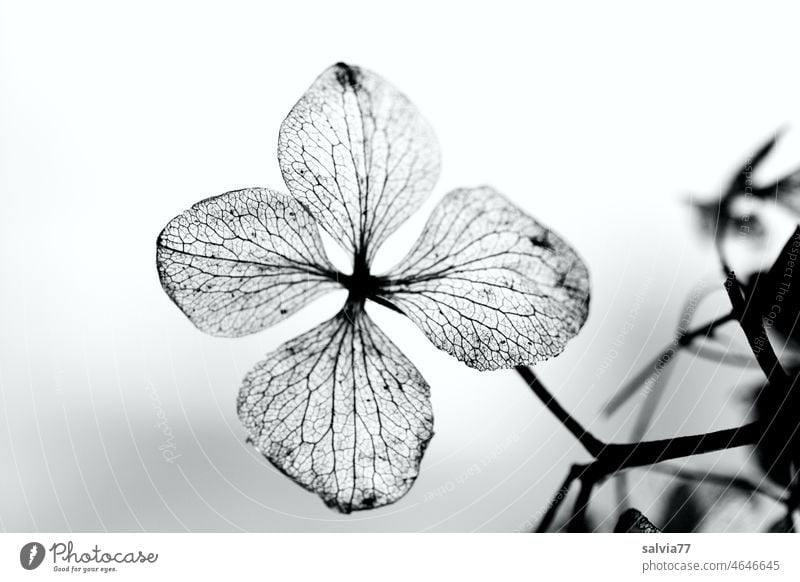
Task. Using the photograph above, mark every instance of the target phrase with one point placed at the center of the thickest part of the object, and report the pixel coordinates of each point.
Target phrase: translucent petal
(490, 285)
(242, 261)
(341, 411)
(359, 155)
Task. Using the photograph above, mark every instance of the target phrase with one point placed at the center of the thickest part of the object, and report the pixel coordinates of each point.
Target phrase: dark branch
(589, 442)
(753, 328)
(616, 457)
(558, 498)
(578, 522)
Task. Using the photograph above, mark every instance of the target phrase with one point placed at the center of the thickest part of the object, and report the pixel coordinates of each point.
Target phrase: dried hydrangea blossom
(340, 409)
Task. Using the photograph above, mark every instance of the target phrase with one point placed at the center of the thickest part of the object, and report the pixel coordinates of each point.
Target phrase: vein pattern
(490, 285)
(359, 155)
(240, 262)
(342, 412)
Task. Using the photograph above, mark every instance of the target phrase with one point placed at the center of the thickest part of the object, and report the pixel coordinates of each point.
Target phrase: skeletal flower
(340, 409)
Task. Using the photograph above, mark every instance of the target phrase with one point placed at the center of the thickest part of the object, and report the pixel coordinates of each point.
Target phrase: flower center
(361, 284)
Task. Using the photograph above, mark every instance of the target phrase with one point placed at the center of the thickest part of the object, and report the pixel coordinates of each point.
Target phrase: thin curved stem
(740, 360)
(558, 498)
(593, 445)
(753, 328)
(624, 455)
(665, 357)
(718, 479)
(578, 522)
(614, 457)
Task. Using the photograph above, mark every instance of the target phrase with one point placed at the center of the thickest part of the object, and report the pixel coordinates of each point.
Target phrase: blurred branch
(578, 522)
(558, 498)
(729, 358)
(655, 366)
(718, 479)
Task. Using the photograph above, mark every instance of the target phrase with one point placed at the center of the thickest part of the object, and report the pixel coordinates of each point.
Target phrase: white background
(600, 120)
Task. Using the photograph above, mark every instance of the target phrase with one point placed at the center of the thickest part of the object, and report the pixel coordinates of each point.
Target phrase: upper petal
(242, 261)
(357, 153)
(490, 285)
(342, 411)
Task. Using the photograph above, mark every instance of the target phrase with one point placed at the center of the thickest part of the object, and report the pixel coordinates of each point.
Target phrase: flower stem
(726, 481)
(577, 522)
(753, 328)
(614, 457)
(626, 455)
(664, 358)
(593, 445)
(558, 498)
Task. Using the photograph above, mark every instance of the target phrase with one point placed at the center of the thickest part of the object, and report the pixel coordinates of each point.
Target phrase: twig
(718, 479)
(558, 498)
(610, 458)
(753, 328)
(616, 457)
(593, 445)
(666, 356)
(577, 522)
(730, 358)
(654, 378)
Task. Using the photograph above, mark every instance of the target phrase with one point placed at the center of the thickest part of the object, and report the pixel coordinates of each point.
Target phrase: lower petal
(342, 412)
